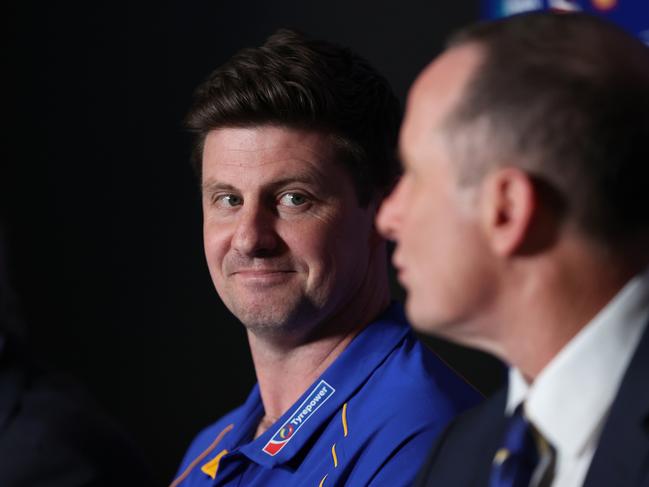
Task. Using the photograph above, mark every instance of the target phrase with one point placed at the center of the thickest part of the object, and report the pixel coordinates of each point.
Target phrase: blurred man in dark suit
(522, 226)
(51, 433)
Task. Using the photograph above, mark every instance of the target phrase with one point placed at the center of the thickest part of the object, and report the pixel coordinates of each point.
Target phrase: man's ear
(508, 207)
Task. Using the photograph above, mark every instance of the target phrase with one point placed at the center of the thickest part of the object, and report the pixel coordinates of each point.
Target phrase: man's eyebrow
(213, 186)
(305, 178)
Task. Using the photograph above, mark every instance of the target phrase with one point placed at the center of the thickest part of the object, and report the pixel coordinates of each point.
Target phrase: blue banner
(632, 15)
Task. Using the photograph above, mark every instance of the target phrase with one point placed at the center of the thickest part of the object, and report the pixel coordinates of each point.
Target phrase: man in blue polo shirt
(295, 146)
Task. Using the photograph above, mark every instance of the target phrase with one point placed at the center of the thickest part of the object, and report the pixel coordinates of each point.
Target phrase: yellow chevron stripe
(211, 467)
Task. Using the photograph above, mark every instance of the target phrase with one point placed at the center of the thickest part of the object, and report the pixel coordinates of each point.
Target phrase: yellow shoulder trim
(200, 457)
(211, 467)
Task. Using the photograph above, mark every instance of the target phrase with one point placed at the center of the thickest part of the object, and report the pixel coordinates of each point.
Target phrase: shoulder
(395, 417)
(209, 436)
(484, 420)
(418, 383)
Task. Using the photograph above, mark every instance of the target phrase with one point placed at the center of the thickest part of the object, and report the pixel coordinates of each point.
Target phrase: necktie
(514, 463)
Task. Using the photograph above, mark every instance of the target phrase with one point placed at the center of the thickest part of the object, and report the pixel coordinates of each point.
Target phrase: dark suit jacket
(462, 456)
(53, 435)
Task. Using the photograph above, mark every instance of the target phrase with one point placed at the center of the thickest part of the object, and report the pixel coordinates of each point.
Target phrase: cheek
(443, 245)
(421, 227)
(464, 271)
(215, 242)
(311, 244)
(328, 248)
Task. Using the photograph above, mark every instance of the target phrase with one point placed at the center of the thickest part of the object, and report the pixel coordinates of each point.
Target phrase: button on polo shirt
(369, 419)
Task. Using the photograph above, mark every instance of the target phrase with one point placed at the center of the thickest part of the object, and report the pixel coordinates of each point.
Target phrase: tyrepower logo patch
(301, 415)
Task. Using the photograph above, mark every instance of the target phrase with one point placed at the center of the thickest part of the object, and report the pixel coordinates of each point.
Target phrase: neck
(555, 302)
(285, 373)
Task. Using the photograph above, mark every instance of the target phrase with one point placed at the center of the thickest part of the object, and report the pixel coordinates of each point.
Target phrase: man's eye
(293, 199)
(228, 200)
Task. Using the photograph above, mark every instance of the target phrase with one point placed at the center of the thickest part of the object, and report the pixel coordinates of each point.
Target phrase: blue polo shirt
(369, 419)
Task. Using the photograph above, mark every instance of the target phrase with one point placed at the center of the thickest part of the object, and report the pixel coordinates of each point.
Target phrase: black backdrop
(102, 206)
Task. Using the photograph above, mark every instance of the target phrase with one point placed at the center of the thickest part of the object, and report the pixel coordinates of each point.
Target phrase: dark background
(102, 206)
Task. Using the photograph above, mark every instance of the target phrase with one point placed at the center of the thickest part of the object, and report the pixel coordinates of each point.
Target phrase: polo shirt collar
(245, 421)
(323, 399)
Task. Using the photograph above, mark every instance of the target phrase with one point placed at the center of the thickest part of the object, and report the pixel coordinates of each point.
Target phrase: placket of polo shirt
(345, 375)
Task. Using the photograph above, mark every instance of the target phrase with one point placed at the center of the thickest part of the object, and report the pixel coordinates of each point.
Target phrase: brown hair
(566, 97)
(307, 84)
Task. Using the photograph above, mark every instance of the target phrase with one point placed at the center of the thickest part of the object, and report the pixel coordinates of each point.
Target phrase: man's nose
(255, 233)
(388, 218)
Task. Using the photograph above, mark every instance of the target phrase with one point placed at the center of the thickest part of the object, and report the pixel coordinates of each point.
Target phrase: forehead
(436, 93)
(260, 153)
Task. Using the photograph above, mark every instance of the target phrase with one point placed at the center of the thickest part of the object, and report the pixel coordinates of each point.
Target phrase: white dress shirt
(569, 401)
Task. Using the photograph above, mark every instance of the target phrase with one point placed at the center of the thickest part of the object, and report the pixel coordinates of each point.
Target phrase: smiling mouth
(260, 272)
(263, 277)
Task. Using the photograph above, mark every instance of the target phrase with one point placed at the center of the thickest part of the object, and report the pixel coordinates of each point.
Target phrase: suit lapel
(490, 439)
(622, 457)
(462, 455)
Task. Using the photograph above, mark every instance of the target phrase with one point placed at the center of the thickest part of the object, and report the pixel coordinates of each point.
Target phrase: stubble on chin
(274, 319)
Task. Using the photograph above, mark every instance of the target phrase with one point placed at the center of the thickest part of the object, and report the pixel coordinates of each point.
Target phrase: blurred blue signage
(633, 15)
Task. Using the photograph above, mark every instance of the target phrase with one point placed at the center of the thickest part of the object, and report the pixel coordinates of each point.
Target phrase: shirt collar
(245, 421)
(586, 373)
(323, 399)
(517, 390)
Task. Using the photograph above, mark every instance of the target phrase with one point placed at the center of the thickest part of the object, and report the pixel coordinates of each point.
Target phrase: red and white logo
(301, 415)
